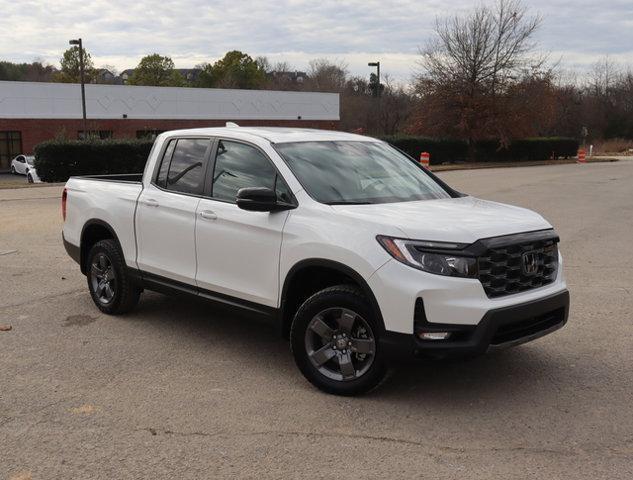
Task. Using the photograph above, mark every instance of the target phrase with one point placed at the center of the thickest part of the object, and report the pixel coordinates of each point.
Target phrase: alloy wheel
(340, 344)
(103, 278)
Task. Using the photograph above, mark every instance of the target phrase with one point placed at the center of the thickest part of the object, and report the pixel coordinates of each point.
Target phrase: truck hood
(462, 220)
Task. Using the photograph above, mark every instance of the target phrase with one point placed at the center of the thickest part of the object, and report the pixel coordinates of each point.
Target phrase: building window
(102, 134)
(10, 146)
(148, 134)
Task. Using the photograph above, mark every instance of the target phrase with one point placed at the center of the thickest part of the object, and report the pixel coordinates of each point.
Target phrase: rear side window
(238, 166)
(183, 166)
(161, 180)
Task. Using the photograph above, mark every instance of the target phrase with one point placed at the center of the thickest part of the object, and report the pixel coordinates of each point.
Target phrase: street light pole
(377, 65)
(82, 77)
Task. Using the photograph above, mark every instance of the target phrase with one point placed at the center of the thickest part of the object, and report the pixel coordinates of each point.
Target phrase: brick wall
(35, 131)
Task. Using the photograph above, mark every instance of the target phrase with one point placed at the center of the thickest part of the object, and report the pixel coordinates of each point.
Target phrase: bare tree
(327, 76)
(603, 77)
(394, 107)
(470, 67)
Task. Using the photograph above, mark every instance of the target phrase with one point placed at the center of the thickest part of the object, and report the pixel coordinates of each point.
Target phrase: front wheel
(13, 170)
(334, 339)
(109, 284)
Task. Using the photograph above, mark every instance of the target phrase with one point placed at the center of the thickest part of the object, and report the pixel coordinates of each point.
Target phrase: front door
(20, 164)
(238, 250)
(166, 212)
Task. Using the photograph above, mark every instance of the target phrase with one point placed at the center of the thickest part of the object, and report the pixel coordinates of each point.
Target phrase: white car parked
(360, 254)
(25, 165)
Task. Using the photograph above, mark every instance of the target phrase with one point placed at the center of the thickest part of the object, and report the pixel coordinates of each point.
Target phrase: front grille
(502, 269)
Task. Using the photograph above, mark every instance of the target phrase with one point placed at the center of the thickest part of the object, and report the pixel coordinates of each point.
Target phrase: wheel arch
(93, 231)
(337, 270)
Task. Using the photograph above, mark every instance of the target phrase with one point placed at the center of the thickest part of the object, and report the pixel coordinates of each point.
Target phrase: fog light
(434, 335)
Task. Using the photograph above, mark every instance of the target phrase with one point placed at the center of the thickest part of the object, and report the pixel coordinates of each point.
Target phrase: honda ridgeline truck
(360, 254)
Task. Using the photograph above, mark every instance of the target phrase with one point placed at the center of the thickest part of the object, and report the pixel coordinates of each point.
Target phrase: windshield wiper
(349, 203)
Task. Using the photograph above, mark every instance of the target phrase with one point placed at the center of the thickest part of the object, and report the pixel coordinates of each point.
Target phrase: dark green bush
(447, 150)
(56, 160)
(542, 148)
(441, 150)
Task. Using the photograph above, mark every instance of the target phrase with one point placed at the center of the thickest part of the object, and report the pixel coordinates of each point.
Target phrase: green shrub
(448, 150)
(542, 148)
(56, 160)
(441, 150)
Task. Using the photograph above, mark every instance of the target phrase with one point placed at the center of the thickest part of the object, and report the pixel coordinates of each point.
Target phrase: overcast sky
(119, 33)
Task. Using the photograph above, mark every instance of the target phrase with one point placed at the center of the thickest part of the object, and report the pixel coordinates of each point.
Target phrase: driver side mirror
(260, 199)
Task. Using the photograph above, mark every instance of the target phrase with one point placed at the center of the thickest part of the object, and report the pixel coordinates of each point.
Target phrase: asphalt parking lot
(178, 389)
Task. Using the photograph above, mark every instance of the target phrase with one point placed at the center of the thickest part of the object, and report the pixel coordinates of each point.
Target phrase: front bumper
(499, 328)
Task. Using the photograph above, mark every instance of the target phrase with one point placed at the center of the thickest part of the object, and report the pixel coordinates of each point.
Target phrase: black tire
(369, 370)
(125, 294)
(13, 172)
(29, 178)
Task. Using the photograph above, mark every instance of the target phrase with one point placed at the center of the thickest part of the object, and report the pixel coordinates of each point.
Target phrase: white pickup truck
(360, 254)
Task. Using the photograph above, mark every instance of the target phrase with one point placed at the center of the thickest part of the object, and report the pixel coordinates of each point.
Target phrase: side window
(186, 169)
(238, 166)
(161, 179)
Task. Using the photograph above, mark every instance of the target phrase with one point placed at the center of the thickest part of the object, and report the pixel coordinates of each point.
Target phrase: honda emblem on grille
(529, 263)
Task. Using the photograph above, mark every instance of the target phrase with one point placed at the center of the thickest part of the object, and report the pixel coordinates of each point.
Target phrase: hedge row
(57, 160)
(447, 150)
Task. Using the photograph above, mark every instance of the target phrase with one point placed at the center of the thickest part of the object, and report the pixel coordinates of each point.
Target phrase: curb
(477, 166)
(30, 185)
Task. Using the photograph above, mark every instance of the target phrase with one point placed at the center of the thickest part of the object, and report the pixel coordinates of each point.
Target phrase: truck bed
(123, 177)
(110, 199)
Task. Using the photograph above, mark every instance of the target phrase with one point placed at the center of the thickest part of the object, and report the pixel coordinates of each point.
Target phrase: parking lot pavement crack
(156, 431)
(620, 449)
(9, 419)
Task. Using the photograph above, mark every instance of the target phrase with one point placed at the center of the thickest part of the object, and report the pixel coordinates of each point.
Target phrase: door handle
(208, 214)
(151, 202)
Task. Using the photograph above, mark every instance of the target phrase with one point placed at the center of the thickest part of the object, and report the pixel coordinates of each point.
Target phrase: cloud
(120, 32)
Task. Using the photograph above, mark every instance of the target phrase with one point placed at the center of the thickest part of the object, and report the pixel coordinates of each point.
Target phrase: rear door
(238, 250)
(166, 211)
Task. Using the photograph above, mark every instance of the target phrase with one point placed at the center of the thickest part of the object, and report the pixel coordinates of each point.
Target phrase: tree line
(480, 77)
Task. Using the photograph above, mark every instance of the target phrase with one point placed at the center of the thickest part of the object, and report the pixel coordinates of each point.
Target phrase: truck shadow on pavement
(255, 344)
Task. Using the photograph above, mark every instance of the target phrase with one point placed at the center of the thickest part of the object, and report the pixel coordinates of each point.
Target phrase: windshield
(348, 172)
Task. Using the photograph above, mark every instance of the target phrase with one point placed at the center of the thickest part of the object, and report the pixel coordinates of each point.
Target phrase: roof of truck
(275, 134)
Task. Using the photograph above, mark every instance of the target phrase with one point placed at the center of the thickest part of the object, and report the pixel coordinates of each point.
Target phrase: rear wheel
(29, 178)
(334, 340)
(110, 286)
(13, 170)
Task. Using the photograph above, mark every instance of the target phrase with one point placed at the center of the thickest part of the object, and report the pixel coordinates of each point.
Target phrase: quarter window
(239, 166)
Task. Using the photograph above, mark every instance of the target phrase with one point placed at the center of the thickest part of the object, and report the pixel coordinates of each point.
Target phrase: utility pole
(377, 93)
(83, 82)
(377, 65)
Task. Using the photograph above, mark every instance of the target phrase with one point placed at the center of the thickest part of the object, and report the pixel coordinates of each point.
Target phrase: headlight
(432, 257)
